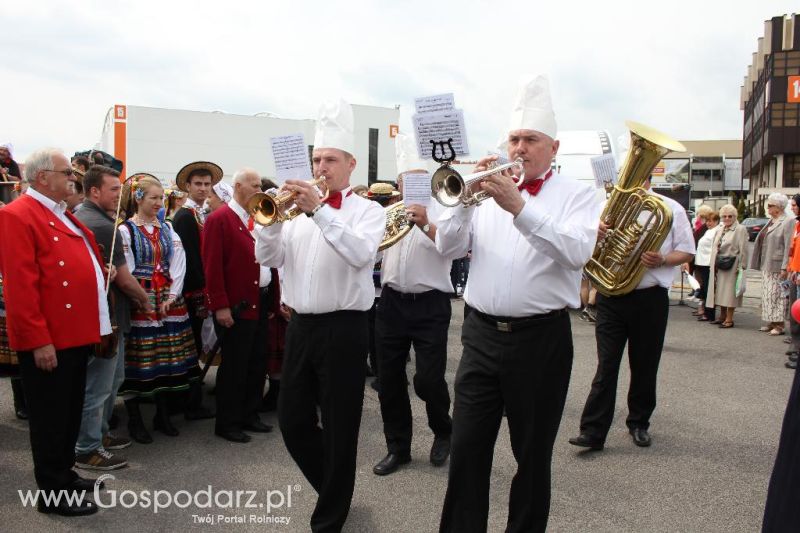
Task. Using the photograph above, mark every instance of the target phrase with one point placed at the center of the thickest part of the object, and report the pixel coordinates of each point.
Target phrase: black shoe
(200, 413)
(390, 463)
(233, 436)
(790, 364)
(440, 450)
(163, 424)
(65, 509)
(585, 441)
(137, 432)
(793, 356)
(641, 437)
(258, 427)
(85, 484)
(21, 413)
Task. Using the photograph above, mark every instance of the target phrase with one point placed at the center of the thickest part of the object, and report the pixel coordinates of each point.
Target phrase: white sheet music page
(435, 104)
(417, 189)
(605, 170)
(291, 157)
(439, 127)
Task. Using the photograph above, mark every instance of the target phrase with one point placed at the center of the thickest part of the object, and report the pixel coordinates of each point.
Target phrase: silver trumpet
(451, 188)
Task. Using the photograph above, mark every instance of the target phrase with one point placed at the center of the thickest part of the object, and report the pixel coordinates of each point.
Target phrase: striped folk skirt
(160, 353)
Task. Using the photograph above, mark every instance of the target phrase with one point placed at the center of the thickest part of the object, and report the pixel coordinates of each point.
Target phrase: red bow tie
(534, 186)
(334, 199)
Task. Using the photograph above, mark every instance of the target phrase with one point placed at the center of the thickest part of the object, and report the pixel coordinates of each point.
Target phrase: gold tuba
(397, 225)
(268, 209)
(451, 188)
(638, 222)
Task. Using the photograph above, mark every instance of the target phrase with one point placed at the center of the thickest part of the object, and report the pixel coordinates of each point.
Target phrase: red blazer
(49, 279)
(229, 262)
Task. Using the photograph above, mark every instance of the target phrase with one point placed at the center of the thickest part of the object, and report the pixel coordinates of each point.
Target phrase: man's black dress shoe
(200, 413)
(390, 463)
(65, 509)
(440, 450)
(85, 484)
(233, 436)
(585, 441)
(258, 426)
(21, 413)
(640, 437)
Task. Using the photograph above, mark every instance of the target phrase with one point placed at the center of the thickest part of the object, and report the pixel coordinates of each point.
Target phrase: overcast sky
(676, 66)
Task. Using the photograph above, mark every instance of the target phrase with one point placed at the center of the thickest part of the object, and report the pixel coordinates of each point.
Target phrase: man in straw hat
(529, 244)
(415, 309)
(327, 260)
(195, 179)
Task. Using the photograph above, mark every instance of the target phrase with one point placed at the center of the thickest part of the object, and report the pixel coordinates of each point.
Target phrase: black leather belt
(412, 295)
(508, 324)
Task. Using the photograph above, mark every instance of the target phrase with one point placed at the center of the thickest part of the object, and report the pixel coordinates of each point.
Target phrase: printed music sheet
(291, 157)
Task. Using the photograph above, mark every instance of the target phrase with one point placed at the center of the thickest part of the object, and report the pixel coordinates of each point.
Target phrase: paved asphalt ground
(721, 399)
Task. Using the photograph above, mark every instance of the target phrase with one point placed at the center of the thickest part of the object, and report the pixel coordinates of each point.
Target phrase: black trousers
(55, 407)
(241, 374)
(324, 366)
(373, 349)
(421, 320)
(196, 323)
(703, 274)
(526, 371)
(639, 319)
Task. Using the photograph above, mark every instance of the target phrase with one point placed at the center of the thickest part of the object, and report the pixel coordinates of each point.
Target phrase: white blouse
(703, 256)
(177, 266)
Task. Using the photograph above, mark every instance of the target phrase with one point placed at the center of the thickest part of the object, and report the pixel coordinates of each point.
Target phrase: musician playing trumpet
(327, 259)
(529, 244)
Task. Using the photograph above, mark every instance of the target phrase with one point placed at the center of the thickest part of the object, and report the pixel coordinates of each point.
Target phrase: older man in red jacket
(57, 309)
(234, 277)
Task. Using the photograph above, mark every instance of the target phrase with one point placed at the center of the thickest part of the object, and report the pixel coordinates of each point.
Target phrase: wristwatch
(426, 228)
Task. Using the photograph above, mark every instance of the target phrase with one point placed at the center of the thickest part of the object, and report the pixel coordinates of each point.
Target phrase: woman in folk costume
(9, 365)
(160, 355)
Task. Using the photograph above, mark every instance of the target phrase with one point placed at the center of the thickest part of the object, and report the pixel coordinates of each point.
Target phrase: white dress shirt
(59, 210)
(327, 259)
(177, 265)
(530, 264)
(264, 275)
(680, 238)
(199, 209)
(703, 255)
(414, 264)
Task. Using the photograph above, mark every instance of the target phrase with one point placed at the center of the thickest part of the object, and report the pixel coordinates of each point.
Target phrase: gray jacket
(771, 251)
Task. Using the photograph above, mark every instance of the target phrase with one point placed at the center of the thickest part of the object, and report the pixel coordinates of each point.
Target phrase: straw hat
(382, 190)
(183, 174)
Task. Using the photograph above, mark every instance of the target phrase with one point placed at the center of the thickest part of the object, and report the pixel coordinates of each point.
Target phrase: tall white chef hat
(405, 150)
(335, 126)
(534, 109)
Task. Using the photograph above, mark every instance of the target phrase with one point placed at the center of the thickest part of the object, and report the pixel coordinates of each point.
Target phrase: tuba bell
(451, 188)
(397, 225)
(638, 222)
(267, 209)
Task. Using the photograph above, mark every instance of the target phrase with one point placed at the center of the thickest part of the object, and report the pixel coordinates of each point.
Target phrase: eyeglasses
(68, 172)
(727, 216)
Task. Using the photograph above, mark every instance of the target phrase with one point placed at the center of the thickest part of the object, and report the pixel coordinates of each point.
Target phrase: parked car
(753, 226)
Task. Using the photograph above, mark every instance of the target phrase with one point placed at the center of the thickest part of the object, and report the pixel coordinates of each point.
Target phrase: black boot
(194, 405)
(20, 407)
(136, 428)
(161, 421)
(270, 401)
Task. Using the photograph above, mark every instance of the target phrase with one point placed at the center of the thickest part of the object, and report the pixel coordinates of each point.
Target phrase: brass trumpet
(451, 188)
(267, 209)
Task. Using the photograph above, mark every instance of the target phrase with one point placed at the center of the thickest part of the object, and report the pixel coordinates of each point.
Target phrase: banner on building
(669, 171)
(733, 176)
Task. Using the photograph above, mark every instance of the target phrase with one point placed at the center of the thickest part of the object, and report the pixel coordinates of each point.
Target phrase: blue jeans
(103, 379)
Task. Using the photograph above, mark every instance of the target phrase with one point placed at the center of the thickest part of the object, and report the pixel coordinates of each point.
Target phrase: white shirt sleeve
(453, 231)
(356, 244)
(269, 246)
(126, 247)
(570, 240)
(682, 235)
(177, 265)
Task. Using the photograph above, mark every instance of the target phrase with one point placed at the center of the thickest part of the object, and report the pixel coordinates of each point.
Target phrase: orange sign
(659, 169)
(794, 90)
(120, 112)
(394, 129)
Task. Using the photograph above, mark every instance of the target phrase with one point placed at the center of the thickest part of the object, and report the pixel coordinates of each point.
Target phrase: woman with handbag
(771, 257)
(728, 256)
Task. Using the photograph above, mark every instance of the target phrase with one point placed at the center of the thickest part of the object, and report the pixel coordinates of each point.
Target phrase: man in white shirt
(528, 250)
(414, 309)
(638, 318)
(327, 259)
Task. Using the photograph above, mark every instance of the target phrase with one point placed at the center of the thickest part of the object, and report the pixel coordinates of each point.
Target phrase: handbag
(725, 262)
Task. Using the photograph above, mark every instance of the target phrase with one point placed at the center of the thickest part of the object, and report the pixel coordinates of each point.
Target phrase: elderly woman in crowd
(771, 257)
(699, 229)
(702, 268)
(793, 270)
(221, 194)
(160, 355)
(728, 256)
